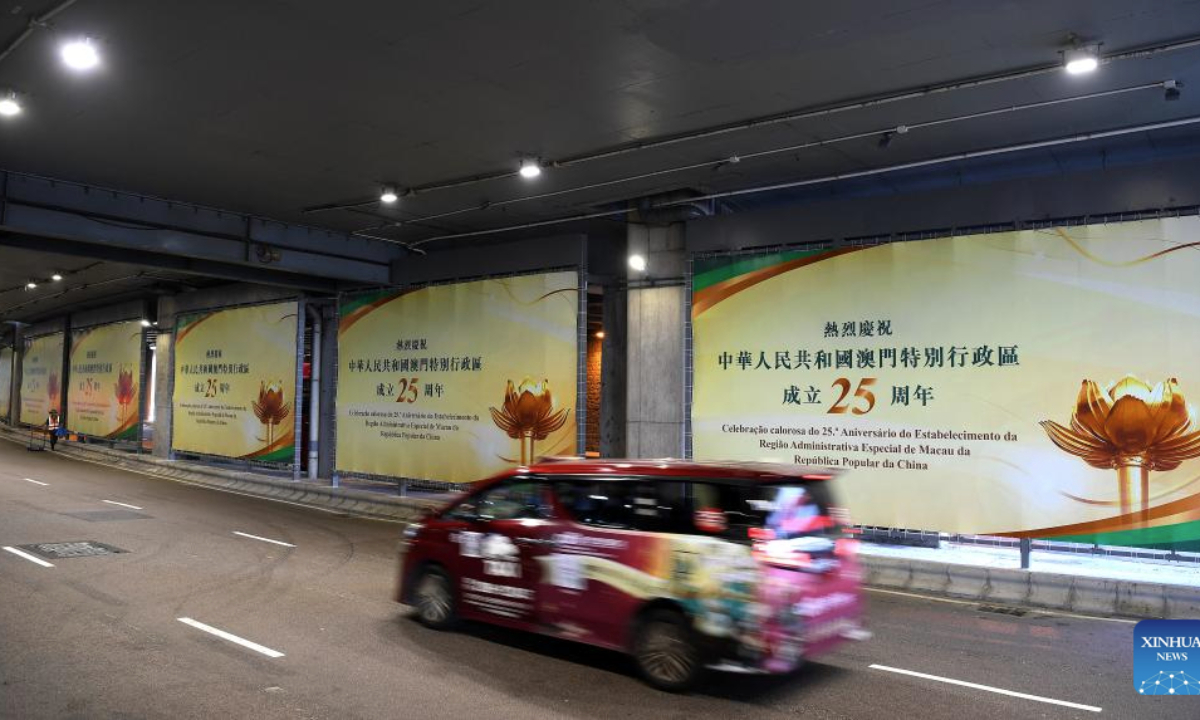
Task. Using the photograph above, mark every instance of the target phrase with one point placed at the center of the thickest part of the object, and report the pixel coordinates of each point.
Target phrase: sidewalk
(372, 502)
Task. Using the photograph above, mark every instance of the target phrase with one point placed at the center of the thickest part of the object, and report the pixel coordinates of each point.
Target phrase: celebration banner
(458, 382)
(41, 378)
(1026, 383)
(235, 375)
(106, 369)
(6, 366)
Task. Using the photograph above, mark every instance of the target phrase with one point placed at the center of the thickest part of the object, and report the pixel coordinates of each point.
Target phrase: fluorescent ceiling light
(9, 105)
(1081, 60)
(637, 262)
(389, 195)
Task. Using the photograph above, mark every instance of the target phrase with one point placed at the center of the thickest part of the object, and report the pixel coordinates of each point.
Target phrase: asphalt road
(100, 637)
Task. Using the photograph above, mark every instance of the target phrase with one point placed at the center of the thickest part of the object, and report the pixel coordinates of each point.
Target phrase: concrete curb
(352, 502)
(1005, 586)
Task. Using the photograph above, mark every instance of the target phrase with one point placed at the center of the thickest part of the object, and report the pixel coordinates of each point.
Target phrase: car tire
(433, 598)
(665, 651)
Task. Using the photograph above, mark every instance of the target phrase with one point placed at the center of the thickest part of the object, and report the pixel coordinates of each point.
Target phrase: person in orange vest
(52, 426)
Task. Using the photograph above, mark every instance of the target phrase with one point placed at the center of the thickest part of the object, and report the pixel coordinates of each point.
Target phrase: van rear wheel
(665, 651)
(433, 598)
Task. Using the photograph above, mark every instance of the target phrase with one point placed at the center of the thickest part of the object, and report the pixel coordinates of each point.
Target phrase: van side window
(521, 499)
(603, 504)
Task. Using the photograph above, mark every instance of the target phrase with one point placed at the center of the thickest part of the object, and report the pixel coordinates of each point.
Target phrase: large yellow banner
(1021, 383)
(235, 378)
(457, 382)
(6, 367)
(105, 395)
(41, 378)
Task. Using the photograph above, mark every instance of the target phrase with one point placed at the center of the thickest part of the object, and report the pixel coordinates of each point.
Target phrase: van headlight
(412, 531)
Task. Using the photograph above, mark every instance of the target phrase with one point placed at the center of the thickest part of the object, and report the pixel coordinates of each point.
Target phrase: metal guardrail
(931, 539)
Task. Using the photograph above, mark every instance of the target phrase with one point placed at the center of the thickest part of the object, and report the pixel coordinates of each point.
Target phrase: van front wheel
(665, 652)
(433, 597)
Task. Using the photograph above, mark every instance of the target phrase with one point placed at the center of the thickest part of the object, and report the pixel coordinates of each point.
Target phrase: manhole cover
(64, 550)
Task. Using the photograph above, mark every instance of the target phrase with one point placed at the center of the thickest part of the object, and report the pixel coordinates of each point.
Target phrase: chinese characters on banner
(932, 370)
(41, 378)
(105, 395)
(457, 382)
(235, 381)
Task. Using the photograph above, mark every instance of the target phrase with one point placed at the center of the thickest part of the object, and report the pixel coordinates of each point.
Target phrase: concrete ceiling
(276, 106)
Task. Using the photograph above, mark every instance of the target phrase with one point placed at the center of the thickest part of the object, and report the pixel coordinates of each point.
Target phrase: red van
(684, 565)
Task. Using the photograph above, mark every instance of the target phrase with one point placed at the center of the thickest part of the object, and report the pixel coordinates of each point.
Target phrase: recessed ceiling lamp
(10, 105)
(80, 54)
(530, 168)
(388, 195)
(637, 262)
(1082, 59)
(56, 277)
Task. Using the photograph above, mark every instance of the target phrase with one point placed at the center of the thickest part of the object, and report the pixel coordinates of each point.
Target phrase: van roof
(671, 467)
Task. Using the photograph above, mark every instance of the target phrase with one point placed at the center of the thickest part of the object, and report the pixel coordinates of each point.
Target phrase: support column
(655, 349)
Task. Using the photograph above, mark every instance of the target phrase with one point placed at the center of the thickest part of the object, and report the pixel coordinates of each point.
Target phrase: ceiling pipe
(1081, 137)
(793, 116)
(738, 158)
(36, 22)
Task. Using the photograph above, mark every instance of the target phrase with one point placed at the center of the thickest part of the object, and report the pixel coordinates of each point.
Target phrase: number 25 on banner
(861, 392)
(408, 390)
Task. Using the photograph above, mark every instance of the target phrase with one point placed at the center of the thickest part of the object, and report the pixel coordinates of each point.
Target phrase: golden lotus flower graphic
(1133, 428)
(270, 408)
(125, 390)
(528, 414)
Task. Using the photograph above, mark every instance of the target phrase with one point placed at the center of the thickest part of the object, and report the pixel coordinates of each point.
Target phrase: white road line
(256, 537)
(988, 688)
(36, 482)
(125, 505)
(231, 637)
(1035, 610)
(27, 556)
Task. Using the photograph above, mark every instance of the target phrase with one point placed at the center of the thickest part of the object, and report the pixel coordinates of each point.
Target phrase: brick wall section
(592, 443)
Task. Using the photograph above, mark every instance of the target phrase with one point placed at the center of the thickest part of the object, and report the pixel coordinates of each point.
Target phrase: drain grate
(1002, 610)
(75, 549)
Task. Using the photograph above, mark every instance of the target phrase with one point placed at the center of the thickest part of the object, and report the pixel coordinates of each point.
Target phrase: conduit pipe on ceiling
(1081, 137)
(802, 114)
(741, 157)
(35, 23)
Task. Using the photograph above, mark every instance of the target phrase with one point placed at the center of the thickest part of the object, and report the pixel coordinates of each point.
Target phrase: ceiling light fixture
(388, 195)
(600, 334)
(637, 262)
(10, 105)
(30, 285)
(56, 277)
(530, 168)
(145, 322)
(1172, 90)
(80, 54)
(1081, 59)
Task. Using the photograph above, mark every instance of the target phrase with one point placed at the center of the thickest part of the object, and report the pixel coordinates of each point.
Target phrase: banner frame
(142, 374)
(208, 458)
(872, 241)
(405, 483)
(27, 340)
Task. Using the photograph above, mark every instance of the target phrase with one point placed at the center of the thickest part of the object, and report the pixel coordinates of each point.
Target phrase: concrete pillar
(329, 374)
(165, 352)
(655, 343)
(613, 376)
